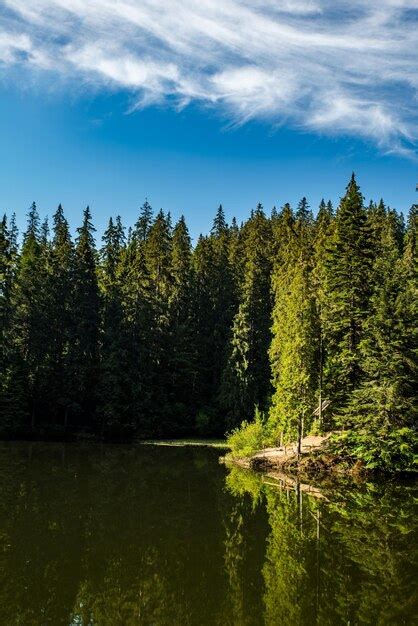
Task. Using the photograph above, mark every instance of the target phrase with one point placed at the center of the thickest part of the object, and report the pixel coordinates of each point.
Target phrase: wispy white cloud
(324, 65)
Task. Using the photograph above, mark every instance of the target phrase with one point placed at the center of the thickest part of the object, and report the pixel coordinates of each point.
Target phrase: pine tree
(323, 233)
(84, 342)
(304, 213)
(144, 222)
(348, 267)
(381, 413)
(13, 393)
(158, 255)
(113, 404)
(216, 304)
(182, 362)
(8, 258)
(157, 250)
(293, 347)
(139, 322)
(30, 332)
(246, 377)
(220, 227)
(63, 317)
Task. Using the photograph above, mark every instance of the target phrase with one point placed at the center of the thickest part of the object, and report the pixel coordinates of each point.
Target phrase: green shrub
(388, 451)
(315, 428)
(247, 438)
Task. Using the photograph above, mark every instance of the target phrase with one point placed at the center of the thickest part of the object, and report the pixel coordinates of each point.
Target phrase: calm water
(120, 535)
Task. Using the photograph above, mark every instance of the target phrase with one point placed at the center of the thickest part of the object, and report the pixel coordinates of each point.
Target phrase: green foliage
(245, 382)
(293, 347)
(390, 451)
(347, 290)
(152, 337)
(347, 559)
(292, 355)
(247, 438)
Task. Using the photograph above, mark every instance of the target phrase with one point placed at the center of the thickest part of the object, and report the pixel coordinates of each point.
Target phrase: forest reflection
(127, 535)
(348, 557)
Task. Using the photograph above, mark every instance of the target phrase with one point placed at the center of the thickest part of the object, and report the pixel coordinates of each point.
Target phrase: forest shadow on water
(118, 535)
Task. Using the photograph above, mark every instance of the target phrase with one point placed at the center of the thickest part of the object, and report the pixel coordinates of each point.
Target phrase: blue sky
(197, 119)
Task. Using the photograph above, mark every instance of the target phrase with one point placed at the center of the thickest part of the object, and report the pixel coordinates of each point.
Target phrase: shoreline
(316, 462)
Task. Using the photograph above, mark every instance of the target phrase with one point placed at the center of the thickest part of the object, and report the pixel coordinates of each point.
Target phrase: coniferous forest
(291, 321)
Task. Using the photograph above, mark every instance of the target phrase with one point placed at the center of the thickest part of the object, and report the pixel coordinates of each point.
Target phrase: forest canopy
(283, 322)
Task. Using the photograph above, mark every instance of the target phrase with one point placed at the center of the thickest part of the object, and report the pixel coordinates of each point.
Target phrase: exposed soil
(315, 460)
(278, 457)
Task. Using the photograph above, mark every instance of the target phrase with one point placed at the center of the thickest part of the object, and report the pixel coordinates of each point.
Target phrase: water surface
(121, 535)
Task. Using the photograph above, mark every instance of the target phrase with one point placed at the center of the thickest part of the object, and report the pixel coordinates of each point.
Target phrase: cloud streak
(322, 65)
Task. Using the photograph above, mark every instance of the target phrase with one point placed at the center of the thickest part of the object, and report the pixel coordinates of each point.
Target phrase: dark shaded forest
(149, 336)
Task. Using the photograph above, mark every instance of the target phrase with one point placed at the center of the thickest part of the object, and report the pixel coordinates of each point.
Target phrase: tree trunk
(320, 381)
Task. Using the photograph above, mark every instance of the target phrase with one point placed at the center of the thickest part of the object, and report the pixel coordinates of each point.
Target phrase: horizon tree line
(149, 336)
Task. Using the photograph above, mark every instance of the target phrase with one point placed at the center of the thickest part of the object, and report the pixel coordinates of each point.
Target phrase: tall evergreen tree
(216, 304)
(323, 233)
(348, 268)
(144, 222)
(183, 350)
(139, 321)
(13, 390)
(157, 250)
(292, 350)
(30, 317)
(220, 227)
(304, 213)
(63, 317)
(113, 394)
(381, 413)
(246, 377)
(84, 342)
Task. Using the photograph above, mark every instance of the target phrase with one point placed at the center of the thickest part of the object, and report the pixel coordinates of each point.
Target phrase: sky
(193, 104)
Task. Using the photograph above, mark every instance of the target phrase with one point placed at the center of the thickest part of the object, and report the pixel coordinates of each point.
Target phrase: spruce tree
(63, 317)
(381, 413)
(113, 406)
(293, 347)
(139, 322)
(347, 291)
(304, 213)
(157, 250)
(31, 324)
(246, 376)
(143, 223)
(182, 362)
(323, 232)
(13, 389)
(219, 227)
(216, 305)
(84, 342)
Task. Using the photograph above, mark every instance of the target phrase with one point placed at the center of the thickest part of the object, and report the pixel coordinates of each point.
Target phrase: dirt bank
(315, 459)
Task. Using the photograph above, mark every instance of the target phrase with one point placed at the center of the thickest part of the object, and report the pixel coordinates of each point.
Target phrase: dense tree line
(147, 335)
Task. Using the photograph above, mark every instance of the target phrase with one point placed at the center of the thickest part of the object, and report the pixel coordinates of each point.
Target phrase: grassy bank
(211, 443)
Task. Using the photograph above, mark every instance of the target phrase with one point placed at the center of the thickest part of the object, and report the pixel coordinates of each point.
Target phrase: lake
(151, 535)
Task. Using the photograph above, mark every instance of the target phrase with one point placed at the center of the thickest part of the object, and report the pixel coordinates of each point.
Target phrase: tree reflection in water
(348, 559)
(121, 535)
